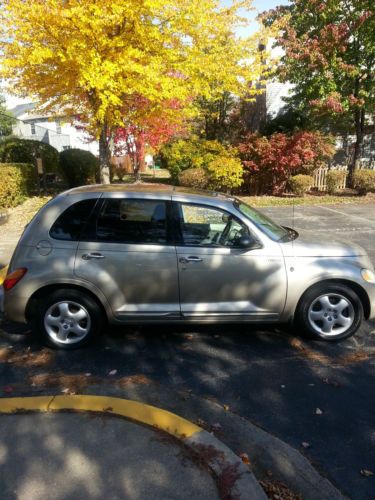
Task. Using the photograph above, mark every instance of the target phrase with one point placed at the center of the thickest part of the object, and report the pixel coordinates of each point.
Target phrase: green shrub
(17, 181)
(193, 177)
(364, 180)
(301, 183)
(15, 150)
(225, 173)
(78, 167)
(335, 179)
(193, 152)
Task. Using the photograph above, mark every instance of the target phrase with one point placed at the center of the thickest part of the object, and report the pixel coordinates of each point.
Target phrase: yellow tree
(92, 57)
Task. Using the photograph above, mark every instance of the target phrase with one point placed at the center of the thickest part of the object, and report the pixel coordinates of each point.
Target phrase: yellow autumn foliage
(94, 57)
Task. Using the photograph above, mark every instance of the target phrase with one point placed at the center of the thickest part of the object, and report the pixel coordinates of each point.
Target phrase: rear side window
(71, 223)
(132, 221)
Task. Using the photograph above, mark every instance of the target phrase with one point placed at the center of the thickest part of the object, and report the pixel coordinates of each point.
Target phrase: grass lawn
(276, 201)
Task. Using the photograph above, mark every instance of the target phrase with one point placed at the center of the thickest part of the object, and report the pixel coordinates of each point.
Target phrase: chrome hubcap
(331, 314)
(67, 322)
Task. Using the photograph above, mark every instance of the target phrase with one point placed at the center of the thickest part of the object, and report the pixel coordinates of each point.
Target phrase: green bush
(17, 181)
(15, 150)
(301, 183)
(225, 173)
(78, 167)
(335, 179)
(193, 152)
(364, 180)
(194, 177)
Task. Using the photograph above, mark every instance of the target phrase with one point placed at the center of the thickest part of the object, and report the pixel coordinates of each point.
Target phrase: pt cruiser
(147, 254)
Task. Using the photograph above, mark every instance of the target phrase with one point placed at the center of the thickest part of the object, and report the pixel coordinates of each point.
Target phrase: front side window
(71, 223)
(132, 221)
(208, 226)
(264, 223)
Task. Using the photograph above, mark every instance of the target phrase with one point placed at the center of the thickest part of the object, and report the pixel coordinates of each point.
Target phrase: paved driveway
(347, 222)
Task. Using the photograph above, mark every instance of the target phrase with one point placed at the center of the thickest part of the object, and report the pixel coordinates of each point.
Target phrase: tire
(330, 312)
(67, 319)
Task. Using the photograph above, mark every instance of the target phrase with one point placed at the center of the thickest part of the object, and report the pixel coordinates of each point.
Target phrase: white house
(59, 132)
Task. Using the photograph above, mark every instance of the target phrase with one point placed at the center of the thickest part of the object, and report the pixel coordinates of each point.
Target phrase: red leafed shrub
(270, 161)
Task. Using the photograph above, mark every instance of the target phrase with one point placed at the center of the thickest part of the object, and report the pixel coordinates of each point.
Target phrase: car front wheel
(67, 319)
(330, 312)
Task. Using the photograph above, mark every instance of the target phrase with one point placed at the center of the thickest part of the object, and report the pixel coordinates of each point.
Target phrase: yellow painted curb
(3, 273)
(145, 414)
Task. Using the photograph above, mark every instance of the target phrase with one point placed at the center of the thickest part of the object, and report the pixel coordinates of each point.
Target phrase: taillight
(14, 277)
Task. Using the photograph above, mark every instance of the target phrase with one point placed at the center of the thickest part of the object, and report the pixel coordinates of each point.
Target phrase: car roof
(148, 189)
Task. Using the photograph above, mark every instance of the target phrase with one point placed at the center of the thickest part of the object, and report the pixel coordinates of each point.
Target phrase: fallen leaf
(318, 411)
(112, 372)
(226, 407)
(189, 336)
(366, 473)
(305, 445)
(88, 374)
(245, 458)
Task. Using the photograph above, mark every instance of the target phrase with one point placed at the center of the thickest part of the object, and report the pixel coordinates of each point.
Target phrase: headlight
(368, 275)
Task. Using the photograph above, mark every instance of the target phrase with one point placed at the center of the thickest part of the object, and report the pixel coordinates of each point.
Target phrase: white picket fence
(320, 175)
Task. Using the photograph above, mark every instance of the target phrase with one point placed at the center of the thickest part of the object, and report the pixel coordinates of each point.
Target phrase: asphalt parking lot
(307, 392)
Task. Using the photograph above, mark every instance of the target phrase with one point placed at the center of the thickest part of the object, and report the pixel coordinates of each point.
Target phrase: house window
(32, 126)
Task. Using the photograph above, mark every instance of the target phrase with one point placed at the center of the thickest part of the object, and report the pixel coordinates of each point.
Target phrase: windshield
(270, 228)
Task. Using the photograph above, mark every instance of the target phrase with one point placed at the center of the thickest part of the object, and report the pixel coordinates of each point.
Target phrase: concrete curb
(266, 452)
(236, 479)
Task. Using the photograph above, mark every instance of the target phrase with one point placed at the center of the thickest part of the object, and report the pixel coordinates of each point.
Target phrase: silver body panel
(141, 283)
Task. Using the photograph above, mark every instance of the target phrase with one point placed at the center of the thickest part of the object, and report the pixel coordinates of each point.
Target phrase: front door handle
(192, 258)
(93, 255)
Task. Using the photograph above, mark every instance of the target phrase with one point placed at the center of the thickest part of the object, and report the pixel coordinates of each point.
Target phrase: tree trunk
(139, 156)
(104, 156)
(359, 131)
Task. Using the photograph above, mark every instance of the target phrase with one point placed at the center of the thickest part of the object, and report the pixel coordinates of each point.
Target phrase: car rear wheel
(67, 319)
(330, 312)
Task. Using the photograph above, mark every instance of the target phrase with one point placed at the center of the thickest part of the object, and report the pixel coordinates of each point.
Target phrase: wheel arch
(48, 289)
(361, 292)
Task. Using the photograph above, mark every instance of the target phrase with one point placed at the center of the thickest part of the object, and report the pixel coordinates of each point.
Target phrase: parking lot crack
(50, 402)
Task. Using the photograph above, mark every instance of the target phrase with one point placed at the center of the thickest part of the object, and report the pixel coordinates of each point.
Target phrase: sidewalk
(70, 456)
(107, 447)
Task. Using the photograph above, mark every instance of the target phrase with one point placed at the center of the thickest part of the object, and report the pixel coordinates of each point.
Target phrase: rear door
(128, 253)
(220, 279)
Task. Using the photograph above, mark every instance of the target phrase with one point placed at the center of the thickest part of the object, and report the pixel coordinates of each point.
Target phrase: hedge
(78, 166)
(15, 150)
(17, 181)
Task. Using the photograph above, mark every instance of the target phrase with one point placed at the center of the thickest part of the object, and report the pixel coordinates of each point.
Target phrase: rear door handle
(93, 255)
(192, 258)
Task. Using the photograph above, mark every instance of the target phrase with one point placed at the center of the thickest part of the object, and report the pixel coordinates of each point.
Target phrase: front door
(220, 279)
(128, 254)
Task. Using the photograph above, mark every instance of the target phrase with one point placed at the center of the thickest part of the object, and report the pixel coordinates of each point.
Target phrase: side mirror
(248, 242)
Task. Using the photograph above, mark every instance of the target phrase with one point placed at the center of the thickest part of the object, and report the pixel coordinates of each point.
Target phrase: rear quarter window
(70, 224)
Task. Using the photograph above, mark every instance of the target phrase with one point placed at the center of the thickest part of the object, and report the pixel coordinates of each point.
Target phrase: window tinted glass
(208, 226)
(70, 223)
(132, 221)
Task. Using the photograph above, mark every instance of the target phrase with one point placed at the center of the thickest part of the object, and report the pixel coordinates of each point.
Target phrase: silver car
(145, 254)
